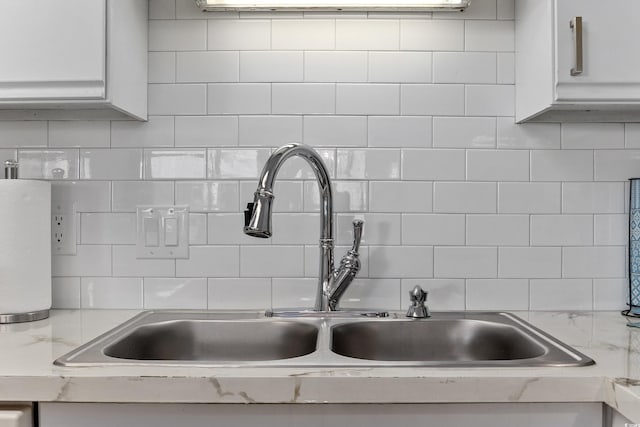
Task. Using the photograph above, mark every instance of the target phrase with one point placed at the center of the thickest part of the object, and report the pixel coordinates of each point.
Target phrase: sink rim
(91, 353)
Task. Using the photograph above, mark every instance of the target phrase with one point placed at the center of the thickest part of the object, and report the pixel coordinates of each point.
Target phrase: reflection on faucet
(332, 282)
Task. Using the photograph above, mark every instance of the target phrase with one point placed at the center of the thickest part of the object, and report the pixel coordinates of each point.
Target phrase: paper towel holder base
(24, 317)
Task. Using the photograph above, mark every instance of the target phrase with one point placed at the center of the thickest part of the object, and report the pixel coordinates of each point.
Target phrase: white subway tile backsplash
(335, 66)
(433, 165)
(433, 229)
(90, 260)
(445, 35)
(529, 197)
(171, 35)
(497, 294)
(592, 135)
(87, 196)
(303, 34)
(14, 134)
(111, 292)
(79, 134)
(235, 293)
(561, 294)
(303, 98)
(108, 228)
(446, 294)
(497, 165)
(390, 196)
(113, 164)
(561, 230)
(293, 293)
(432, 100)
(206, 131)
(610, 294)
(236, 163)
(464, 197)
(172, 293)
(216, 196)
(294, 229)
(48, 164)
(367, 34)
(341, 131)
(65, 292)
(560, 165)
(381, 294)
(157, 132)
(413, 116)
(177, 99)
(464, 132)
(348, 196)
(616, 165)
(129, 194)
(610, 230)
(241, 98)
(400, 67)
(527, 135)
(371, 99)
(538, 262)
(400, 261)
(593, 197)
(271, 131)
(126, 264)
(197, 229)
(368, 164)
(210, 261)
(464, 67)
(238, 34)
(175, 164)
(497, 230)
(395, 131)
(506, 68)
(226, 229)
(486, 36)
(161, 67)
(201, 67)
(270, 66)
(271, 261)
(465, 262)
(490, 100)
(162, 9)
(594, 262)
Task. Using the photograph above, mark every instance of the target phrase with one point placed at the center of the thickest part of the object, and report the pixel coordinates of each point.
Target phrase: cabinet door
(52, 49)
(611, 56)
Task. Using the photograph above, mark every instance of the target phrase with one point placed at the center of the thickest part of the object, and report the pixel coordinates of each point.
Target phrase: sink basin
(216, 340)
(186, 338)
(452, 340)
(191, 338)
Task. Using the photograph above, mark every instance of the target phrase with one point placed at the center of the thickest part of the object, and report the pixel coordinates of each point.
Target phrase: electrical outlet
(63, 230)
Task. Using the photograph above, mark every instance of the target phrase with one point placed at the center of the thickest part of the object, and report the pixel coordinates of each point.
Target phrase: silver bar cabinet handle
(576, 26)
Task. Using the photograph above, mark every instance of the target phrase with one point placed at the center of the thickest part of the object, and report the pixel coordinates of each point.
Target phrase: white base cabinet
(19, 415)
(550, 83)
(321, 415)
(64, 57)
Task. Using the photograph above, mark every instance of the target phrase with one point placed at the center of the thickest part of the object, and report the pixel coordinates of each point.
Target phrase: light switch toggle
(163, 232)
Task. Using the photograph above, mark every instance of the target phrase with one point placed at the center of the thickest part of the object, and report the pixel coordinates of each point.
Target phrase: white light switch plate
(162, 232)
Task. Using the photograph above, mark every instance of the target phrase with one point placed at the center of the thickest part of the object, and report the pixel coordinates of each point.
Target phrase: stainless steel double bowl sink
(188, 338)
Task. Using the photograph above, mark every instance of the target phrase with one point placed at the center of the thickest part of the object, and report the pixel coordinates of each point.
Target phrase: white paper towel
(25, 246)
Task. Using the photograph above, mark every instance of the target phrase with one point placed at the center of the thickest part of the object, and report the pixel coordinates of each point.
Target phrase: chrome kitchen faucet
(332, 282)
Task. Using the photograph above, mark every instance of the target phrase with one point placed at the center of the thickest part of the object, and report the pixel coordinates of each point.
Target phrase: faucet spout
(258, 214)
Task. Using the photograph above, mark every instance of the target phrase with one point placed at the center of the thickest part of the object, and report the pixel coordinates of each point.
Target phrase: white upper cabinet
(550, 83)
(73, 58)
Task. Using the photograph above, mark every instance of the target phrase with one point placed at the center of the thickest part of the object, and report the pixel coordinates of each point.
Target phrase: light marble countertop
(28, 374)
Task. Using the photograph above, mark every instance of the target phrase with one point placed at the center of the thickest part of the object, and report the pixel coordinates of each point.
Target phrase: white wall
(414, 116)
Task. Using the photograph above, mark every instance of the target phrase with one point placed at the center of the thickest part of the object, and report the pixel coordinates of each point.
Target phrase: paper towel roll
(25, 246)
